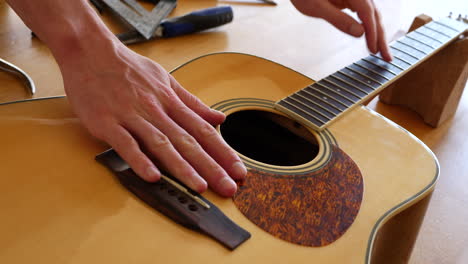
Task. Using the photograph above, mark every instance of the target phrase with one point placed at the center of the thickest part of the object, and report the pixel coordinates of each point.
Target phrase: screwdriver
(189, 23)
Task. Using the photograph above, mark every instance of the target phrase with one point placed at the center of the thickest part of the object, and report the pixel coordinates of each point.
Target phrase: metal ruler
(138, 17)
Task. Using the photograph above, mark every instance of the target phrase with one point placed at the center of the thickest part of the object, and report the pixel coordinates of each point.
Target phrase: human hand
(138, 108)
(330, 10)
(131, 102)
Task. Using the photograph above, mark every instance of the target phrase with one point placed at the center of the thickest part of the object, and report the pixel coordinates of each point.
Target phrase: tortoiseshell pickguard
(312, 209)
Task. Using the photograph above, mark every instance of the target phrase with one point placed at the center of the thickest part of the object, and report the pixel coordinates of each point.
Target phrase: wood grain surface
(375, 144)
(309, 46)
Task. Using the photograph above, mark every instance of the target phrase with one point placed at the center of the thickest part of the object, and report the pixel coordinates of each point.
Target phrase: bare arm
(131, 102)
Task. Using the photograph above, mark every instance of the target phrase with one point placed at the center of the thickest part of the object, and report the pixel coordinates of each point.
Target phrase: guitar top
(316, 191)
(59, 205)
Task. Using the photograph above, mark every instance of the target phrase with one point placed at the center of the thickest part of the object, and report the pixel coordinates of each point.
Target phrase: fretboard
(324, 101)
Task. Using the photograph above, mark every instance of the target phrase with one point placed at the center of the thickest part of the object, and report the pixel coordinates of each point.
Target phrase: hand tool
(137, 16)
(15, 70)
(190, 23)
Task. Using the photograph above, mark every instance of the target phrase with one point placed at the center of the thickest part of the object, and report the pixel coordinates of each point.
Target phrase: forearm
(71, 29)
(131, 102)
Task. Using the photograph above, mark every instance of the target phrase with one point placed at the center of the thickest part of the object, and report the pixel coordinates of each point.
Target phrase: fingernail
(152, 174)
(390, 57)
(239, 169)
(356, 30)
(198, 184)
(217, 112)
(229, 186)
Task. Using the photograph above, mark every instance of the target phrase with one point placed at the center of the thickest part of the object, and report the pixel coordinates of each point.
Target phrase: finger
(211, 142)
(335, 16)
(127, 148)
(191, 150)
(210, 115)
(158, 145)
(366, 12)
(381, 39)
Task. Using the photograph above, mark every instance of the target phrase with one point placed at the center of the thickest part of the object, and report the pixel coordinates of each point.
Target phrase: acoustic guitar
(325, 172)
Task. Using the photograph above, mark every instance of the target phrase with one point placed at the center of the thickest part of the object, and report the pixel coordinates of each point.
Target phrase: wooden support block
(434, 88)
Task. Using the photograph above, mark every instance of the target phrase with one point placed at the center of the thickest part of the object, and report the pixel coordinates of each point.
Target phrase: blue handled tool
(190, 23)
(197, 21)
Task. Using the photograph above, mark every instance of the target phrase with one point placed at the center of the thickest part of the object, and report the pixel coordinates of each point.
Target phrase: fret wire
(412, 47)
(341, 87)
(459, 25)
(432, 33)
(428, 36)
(360, 77)
(447, 26)
(400, 50)
(404, 56)
(357, 80)
(305, 111)
(362, 74)
(319, 98)
(417, 40)
(295, 110)
(390, 71)
(381, 75)
(399, 62)
(417, 45)
(371, 70)
(425, 39)
(391, 63)
(403, 60)
(335, 92)
(311, 108)
(441, 33)
(350, 84)
(446, 31)
(321, 106)
(327, 96)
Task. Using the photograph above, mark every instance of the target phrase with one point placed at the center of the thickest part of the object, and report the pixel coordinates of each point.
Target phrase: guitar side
(61, 205)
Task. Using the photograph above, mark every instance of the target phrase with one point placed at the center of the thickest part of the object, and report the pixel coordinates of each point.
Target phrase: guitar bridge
(174, 200)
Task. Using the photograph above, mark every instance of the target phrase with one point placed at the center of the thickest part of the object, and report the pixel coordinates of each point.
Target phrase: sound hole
(269, 138)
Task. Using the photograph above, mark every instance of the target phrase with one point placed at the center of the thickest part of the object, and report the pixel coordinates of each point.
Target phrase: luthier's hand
(131, 102)
(331, 11)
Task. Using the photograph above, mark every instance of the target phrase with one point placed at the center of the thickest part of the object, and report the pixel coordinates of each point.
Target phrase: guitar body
(58, 205)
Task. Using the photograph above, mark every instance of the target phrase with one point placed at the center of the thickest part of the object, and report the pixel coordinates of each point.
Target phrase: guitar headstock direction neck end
(460, 17)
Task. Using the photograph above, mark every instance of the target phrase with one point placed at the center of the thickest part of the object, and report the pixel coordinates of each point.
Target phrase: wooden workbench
(309, 46)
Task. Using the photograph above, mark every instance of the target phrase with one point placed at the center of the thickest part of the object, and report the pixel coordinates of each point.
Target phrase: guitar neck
(321, 103)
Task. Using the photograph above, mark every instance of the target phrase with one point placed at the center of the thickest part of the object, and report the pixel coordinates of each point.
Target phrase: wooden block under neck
(434, 88)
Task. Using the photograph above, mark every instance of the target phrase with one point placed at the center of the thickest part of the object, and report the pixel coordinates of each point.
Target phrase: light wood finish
(278, 33)
(435, 87)
(442, 238)
(81, 214)
(314, 48)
